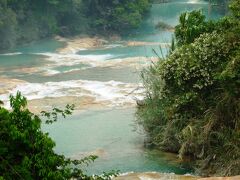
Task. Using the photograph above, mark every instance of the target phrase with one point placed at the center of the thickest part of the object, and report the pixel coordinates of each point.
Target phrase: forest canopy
(23, 21)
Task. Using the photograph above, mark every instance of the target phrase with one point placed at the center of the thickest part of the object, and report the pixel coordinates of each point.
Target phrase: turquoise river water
(104, 83)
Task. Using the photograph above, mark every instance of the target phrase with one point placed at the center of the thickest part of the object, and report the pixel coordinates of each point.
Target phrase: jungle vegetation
(192, 100)
(26, 153)
(23, 21)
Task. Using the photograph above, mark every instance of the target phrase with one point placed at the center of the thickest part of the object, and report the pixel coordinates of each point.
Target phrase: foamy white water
(74, 59)
(11, 54)
(74, 50)
(88, 61)
(117, 93)
(199, 2)
(196, 2)
(59, 59)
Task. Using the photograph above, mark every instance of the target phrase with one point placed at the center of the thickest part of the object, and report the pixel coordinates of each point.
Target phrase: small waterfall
(193, 1)
(197, 2)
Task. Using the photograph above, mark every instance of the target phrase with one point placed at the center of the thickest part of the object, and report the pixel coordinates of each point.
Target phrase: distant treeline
(23, 21)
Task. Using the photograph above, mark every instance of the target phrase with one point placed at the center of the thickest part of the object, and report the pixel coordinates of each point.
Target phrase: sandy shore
(7, 84)
(82, 103)
(27, 70)
(76, 44)
(155, 176)
(143, 43)
(168, 176)
(221, 178)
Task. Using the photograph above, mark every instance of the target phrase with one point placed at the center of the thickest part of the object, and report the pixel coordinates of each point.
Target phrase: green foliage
(116, 16)
(53, 116)
(191, 25)
(26, 20)
(192, 104)
(235, 7)
(23, 21)
(27, 153)
(8, 24)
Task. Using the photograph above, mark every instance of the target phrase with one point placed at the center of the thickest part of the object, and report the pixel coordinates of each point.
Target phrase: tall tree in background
(8, 25)
(23, 21)
(117, 16)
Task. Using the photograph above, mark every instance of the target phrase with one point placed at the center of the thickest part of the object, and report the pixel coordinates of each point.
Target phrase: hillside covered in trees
(192, 103)
(23, 21)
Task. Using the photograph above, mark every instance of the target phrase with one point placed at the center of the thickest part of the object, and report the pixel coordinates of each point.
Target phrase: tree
(8, 24)
(192, 25)
(27, 153)
(116, 16)
(192, 102)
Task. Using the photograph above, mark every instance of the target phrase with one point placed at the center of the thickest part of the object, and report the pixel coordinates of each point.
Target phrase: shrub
(27, 153)
(192, 102)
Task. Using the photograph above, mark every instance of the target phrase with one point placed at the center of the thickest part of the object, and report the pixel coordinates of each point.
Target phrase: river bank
(101, 76)
(162, 176)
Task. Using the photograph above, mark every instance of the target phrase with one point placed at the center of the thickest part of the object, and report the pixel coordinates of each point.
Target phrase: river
(103, 79)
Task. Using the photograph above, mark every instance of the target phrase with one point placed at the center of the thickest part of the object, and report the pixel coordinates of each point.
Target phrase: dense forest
(23, 21)
(192, 103)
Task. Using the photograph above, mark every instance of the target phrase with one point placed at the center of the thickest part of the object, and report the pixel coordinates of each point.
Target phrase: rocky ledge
(168, 176)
